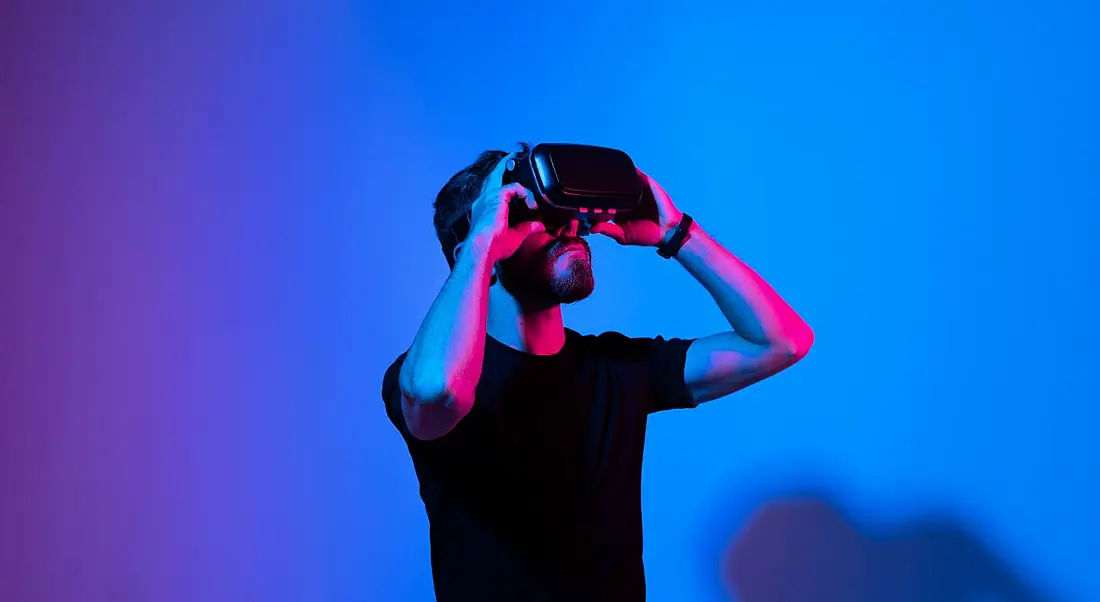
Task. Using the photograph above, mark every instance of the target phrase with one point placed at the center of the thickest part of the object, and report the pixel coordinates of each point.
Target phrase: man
(527, 437)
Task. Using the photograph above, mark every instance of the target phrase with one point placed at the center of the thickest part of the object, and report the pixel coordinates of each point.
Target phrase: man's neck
(535, 331)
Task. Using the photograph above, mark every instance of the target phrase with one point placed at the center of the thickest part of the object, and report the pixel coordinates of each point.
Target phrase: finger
(527, 196)
(525, 229)
(496, 178)
(659, 194)
(514, 191)
(648, 181)
(610, 230)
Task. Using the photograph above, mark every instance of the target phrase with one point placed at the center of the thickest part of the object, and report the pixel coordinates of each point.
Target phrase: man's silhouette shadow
(806, 549)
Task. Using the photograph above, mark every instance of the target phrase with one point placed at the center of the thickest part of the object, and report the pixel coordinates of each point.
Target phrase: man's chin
(574, 296)
(567, 280)
(576, 287)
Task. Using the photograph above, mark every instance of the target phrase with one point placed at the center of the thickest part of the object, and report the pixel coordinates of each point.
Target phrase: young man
(527, 437)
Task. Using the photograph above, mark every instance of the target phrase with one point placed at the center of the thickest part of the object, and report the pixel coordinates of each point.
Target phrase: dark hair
(453, 203)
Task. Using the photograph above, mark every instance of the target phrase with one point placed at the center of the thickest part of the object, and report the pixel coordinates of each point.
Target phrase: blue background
(216, 235)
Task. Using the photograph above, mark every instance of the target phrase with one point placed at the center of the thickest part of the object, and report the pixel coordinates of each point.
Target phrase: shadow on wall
(807, 549)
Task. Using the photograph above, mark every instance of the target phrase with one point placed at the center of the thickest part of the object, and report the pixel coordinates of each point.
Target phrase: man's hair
(453, 203)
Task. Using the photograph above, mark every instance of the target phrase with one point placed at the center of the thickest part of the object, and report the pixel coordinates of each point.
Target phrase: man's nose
(569, 229)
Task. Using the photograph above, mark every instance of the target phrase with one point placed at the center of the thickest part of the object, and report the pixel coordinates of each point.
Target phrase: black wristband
(672, 247)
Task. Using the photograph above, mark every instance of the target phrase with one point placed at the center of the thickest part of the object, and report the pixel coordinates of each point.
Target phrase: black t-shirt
(536, 494)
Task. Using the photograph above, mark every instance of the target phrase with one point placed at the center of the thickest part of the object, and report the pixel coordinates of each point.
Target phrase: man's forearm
(445, 359)
(753, 309)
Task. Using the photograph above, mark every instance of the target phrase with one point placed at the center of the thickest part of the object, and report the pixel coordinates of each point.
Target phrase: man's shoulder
(391, 394)
(389, 379)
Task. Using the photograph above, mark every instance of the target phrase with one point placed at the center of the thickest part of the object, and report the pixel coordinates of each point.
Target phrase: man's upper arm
(723, 363)
(420, 422)
(663, 372)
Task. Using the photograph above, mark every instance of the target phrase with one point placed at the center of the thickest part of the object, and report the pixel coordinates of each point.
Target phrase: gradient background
(215, 224)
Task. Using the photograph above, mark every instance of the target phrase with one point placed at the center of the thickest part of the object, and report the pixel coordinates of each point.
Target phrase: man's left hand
(644, 232)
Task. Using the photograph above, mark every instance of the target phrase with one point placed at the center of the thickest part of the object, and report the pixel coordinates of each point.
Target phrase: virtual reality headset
(590, 184)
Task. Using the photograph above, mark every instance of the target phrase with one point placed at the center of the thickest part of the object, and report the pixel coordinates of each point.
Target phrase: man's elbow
(798, 344)
(420, 386)
(431, 413)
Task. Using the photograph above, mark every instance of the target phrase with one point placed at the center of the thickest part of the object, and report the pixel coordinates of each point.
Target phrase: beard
(557, 275)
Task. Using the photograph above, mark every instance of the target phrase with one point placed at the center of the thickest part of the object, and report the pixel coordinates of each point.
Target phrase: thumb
(528, 228)
(610, 230)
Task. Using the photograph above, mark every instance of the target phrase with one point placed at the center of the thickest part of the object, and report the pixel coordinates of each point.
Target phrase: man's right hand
(489, 229)
(440, 373)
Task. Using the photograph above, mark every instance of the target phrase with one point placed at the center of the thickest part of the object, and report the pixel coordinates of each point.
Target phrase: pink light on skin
(565, 258)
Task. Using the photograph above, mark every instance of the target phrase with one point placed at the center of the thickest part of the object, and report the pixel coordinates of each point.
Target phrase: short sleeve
(391, 395)
(665, 360)
(652, 369)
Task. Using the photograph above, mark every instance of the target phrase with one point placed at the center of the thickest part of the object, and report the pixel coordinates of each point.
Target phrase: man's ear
(454, 253)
